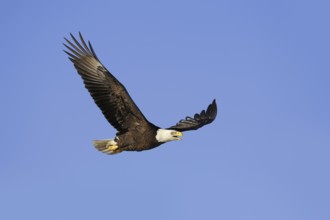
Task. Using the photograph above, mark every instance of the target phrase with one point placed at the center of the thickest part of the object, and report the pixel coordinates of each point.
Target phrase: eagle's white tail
(107, 146)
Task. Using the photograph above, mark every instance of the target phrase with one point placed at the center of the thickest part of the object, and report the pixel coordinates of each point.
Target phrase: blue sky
(265, 157)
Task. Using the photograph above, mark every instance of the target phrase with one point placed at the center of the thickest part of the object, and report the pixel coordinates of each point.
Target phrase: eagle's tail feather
(107, 146)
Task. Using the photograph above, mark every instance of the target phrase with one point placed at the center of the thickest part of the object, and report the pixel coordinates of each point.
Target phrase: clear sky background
(266, 157)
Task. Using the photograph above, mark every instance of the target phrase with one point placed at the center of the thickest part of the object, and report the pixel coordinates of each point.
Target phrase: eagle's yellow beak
(177, 135)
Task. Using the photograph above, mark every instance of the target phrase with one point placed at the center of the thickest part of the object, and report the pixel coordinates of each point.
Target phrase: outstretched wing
(108, 93)
(199, 120)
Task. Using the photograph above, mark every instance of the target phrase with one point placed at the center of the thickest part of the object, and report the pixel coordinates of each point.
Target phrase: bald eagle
(134, 131)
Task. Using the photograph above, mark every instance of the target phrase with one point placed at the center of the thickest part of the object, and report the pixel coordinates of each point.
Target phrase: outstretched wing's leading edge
(108, 93)
(199, 120)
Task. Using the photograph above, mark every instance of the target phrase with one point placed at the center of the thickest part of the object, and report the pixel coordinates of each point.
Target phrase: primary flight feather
(134, 131)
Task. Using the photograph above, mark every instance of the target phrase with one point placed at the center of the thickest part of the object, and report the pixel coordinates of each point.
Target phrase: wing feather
(108, 93)
(199, 120)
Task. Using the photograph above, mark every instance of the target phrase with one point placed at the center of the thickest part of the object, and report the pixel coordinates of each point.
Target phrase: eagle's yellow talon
(112, 148)
(115, 151)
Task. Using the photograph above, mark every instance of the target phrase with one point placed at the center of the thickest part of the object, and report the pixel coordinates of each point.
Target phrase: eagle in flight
(134, 131)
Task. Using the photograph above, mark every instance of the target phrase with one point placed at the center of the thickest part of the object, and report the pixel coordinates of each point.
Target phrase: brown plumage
(134, 131)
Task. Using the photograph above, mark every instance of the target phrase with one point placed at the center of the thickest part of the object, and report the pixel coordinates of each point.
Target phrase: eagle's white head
(165, 135)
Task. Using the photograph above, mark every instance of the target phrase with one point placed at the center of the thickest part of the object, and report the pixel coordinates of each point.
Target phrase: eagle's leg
(108, 146)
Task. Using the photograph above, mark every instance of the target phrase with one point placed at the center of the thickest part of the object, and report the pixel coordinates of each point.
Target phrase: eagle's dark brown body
(134, 131)
(138, 138)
